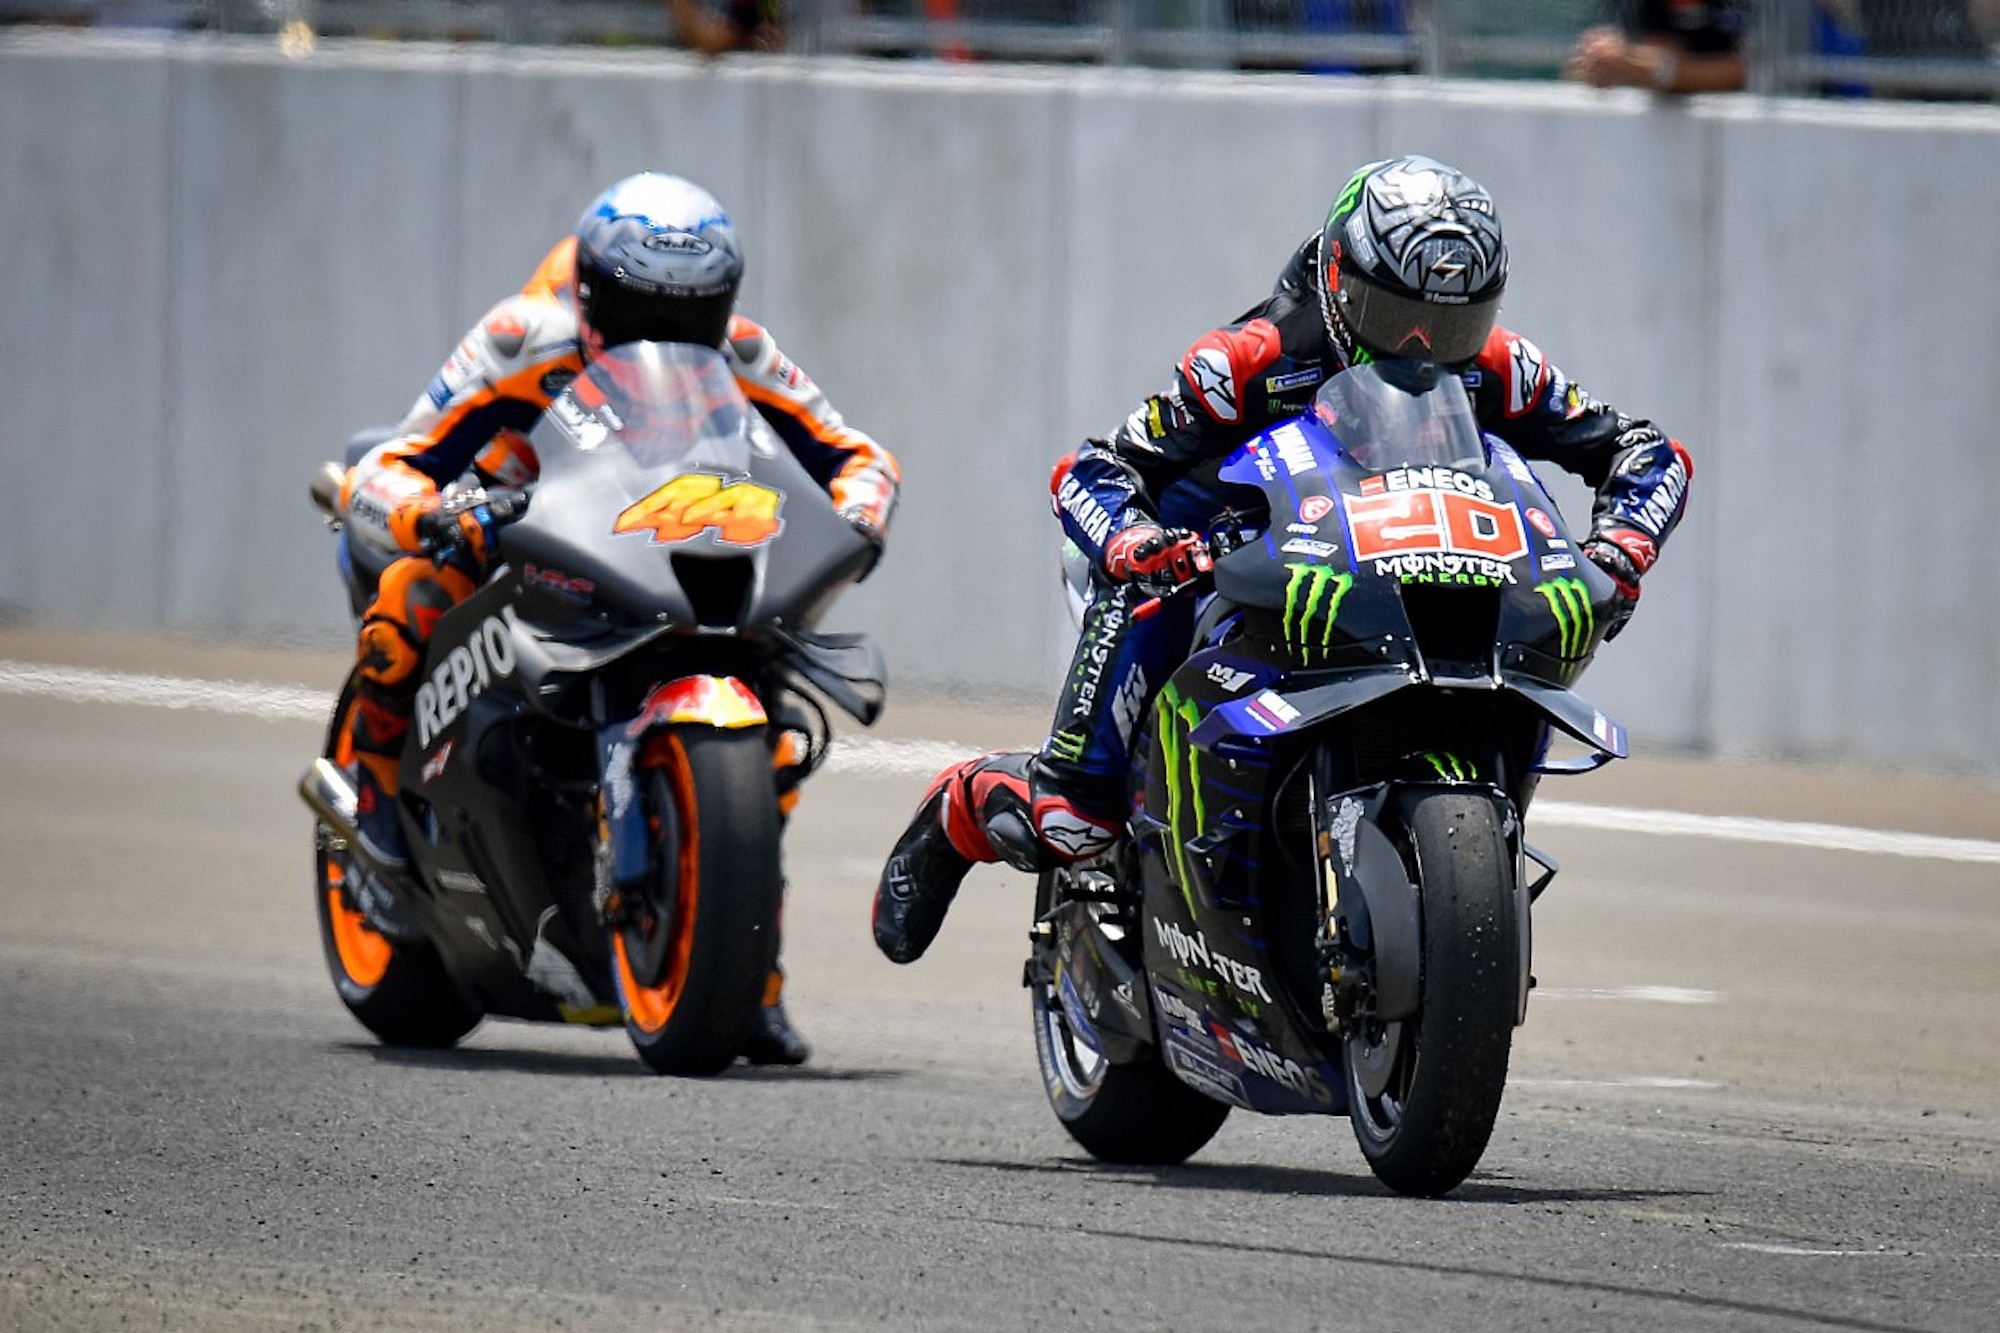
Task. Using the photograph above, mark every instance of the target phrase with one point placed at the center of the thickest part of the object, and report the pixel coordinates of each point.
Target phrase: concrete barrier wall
(223, 261)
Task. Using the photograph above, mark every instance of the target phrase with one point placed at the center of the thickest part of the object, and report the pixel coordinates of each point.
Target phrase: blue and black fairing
(1355, 626)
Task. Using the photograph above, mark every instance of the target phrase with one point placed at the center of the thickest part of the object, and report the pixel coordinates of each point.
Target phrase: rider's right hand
(466, 522)
(1159, 560)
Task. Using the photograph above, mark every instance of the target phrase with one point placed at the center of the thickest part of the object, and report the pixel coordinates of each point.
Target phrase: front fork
(1370, 941)
(629, 746)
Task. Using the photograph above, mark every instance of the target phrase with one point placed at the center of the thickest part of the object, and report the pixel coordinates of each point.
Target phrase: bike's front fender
(706, 701)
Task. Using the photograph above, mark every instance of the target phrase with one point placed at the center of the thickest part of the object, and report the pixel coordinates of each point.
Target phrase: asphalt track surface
(1759, 1086)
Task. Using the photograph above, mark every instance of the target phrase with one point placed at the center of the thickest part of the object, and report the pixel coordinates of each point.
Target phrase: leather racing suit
(475, 415)
(1160, 466)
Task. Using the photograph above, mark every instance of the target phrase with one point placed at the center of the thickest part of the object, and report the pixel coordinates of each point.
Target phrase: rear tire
(1438, 1077)
(1135, 1114)
(399, 992)
(691, 974)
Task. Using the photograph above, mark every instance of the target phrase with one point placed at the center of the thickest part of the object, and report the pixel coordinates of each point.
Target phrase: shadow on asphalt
(1290, 1180)
(1729, 1307)
(609, 1064)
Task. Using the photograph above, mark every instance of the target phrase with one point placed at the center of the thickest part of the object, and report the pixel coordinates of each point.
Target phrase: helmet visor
(620, 315)
(1388, 324)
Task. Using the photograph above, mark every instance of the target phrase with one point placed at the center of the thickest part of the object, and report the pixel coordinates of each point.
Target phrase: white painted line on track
(869, 756)
(1811, 1252)
(87, 686)
(1826, 837)
(1660, 1081)
(1652, 994)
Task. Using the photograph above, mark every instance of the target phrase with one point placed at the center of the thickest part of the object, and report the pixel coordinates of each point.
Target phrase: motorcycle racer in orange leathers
(654, 258)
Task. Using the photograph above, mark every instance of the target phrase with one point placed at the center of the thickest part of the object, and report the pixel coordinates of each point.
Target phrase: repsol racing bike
(608, 732)
(1323, 903)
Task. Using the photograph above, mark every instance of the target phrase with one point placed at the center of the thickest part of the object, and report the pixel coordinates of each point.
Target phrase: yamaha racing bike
(1323, 902)
(607, 734)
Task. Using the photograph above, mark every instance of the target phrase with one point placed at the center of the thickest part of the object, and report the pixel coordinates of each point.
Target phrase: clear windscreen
(664, 406)
(1401, 414)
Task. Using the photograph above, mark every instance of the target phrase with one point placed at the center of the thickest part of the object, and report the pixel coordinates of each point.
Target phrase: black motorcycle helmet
(1411, 264)
(656, 261)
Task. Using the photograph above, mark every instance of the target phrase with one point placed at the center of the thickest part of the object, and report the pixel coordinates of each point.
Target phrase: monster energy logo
(1176, 716)
(1348, 195)
(1450, 767)
(1067, 745)
(1313, 593)
(1569, 602)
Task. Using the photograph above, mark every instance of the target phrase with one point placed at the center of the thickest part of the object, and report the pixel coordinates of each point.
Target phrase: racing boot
(772, 1039)
(998, 807)
(380, 883)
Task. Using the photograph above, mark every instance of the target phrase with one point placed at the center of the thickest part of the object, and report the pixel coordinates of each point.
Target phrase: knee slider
(387, 658)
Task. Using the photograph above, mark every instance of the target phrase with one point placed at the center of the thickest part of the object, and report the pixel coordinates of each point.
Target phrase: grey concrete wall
(223, 261)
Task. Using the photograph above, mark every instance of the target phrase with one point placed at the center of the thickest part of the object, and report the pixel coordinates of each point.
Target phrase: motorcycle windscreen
(664, 491)
(1366, 421)
(1391, 414)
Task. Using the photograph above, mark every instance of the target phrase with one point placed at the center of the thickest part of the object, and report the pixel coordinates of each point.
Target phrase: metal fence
(1923, 49)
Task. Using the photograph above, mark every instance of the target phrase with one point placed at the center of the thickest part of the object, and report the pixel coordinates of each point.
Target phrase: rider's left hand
(1625, 554)
(865, 521)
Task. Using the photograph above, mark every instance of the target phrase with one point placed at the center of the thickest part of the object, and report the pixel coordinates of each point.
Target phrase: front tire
(399, 992)
(1137, 1113)
(692, 962)
(1424, 1093)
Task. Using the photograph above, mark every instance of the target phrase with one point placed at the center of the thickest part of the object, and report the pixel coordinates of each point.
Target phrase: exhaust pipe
(331, 796)
(325, 490)
(326, 789)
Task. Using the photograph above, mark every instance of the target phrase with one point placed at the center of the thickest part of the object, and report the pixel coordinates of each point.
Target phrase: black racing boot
(918, 882)
(772, 1039)
(380, 882)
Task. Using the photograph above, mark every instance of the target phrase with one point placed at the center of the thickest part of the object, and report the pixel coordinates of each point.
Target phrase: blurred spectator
(1674, 46)
(1836, 32)
(731, 25)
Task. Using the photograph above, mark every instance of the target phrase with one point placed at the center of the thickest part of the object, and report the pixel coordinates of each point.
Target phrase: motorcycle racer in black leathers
(1410, 263)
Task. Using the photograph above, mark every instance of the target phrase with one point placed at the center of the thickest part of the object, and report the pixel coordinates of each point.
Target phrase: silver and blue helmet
(1411, 263)
(656, 261)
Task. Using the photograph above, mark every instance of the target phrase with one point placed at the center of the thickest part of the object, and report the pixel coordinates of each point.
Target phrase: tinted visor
(1391, 325)
(620, 315)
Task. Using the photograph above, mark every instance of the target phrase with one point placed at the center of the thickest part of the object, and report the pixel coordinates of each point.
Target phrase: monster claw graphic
(1576, 620)
(1177, 716)
(1451, 768)
(1313, 593)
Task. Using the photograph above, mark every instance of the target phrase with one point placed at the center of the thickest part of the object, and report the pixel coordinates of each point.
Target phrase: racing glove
(463, 522)
(1156, 559)
(1625, 554)
(865, 497)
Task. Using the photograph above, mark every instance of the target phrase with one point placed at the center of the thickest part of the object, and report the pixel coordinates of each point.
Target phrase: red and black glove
(1625, 554)
(1158, 560)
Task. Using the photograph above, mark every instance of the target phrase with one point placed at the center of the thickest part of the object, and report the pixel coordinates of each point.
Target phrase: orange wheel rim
(650, 1007)
(364, 955)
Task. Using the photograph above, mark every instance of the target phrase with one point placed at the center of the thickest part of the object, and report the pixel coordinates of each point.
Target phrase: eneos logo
(742, 513)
